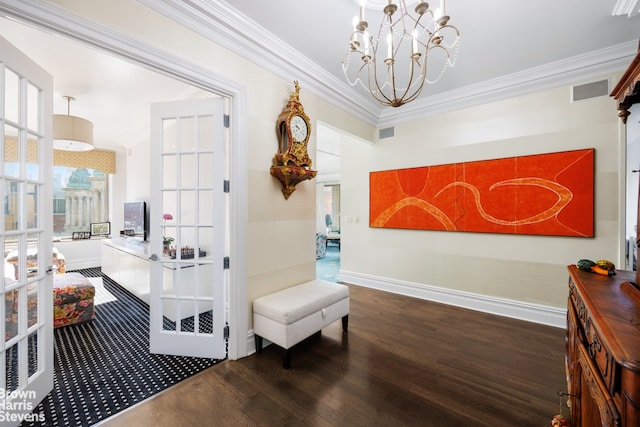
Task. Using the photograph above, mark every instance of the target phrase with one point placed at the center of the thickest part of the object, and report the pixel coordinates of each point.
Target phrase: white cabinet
(179, 290)
(127, 263)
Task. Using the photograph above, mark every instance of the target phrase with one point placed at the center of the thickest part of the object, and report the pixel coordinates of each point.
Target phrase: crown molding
(577, 69)
(626, 7)
(223, 24)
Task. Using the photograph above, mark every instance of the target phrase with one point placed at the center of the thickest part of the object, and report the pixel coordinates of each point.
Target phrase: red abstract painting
(546, 194)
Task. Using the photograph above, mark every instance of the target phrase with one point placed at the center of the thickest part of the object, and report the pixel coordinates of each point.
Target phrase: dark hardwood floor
(404, 362)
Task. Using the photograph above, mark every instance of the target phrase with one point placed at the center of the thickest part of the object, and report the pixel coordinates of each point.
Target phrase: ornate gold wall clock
(292, 164)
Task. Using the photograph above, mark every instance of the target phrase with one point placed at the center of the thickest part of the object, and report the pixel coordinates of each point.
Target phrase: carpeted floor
(327, 268)
(104, 366)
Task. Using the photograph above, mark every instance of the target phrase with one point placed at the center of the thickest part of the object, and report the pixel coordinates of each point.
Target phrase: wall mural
(546, 194)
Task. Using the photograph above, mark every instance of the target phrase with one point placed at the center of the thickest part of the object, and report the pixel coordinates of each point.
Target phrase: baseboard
(536, 313)
(251, 342)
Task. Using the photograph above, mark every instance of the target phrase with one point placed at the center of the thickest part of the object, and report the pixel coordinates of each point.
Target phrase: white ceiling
(499, 39)
(111, 93)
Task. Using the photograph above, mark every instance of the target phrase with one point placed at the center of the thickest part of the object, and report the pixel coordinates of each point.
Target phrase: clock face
(298, 128)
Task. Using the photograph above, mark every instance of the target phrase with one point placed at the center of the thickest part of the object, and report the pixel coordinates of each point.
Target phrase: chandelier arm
(408, 95)
(382, 96)
(445, 65)
(383, 99)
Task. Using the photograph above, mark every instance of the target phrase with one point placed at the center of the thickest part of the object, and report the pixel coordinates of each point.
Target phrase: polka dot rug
(104, 366)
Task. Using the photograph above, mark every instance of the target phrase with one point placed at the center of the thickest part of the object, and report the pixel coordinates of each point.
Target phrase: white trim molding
(626, 7)
(536, 313)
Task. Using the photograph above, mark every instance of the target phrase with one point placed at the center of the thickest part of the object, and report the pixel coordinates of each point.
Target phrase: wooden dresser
(603, 349)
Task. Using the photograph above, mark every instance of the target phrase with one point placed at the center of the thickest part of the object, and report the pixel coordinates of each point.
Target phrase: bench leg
(258, 340)
(286, 360)
(345, 323)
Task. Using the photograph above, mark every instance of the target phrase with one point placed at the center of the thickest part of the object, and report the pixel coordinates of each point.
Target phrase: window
(80, 197)
(80, 186)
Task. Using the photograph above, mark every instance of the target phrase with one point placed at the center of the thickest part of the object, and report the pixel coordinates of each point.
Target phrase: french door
(26, 350)
(188, 211)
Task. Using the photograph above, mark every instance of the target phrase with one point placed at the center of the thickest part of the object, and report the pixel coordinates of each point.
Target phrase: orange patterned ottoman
(72, 299)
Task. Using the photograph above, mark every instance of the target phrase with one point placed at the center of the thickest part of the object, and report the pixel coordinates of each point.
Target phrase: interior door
(188, 210)
(26, 352)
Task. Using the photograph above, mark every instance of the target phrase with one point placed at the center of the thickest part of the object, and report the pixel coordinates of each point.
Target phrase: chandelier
(392, 64)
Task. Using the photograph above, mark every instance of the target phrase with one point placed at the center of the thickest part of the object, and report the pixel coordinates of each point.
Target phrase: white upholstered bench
(290, 315)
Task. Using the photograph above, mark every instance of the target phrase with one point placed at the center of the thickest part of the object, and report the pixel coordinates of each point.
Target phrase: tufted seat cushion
(292, 304)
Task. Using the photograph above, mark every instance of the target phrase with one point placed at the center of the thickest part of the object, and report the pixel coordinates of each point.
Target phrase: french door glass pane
(169, 165)
(187, 170)
(187, 207)
(12, 98)
(11, 205)
(33, 167)
(206, 138)
(32, 205)
(206, 239)
(11, 151)
(205, 206)
(11, 360)
(33, 353)
(187, 135)
(205, 177)
(11, 321)
(33, 108)
(36, 263)
(169, 136)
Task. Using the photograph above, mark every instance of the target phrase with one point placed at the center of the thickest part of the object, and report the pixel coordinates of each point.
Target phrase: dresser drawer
(578, 304)
(598, 353)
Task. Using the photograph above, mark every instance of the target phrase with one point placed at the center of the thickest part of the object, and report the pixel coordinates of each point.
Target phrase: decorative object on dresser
(603, 349)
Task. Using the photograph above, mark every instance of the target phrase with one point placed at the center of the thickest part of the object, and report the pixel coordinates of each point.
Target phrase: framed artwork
(100, 228)
(545, 194)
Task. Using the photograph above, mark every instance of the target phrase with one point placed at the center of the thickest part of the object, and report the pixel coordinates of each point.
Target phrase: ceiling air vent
(590, 90)
(386, 133)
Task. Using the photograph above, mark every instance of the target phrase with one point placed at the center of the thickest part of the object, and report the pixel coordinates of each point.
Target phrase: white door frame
(57, 21)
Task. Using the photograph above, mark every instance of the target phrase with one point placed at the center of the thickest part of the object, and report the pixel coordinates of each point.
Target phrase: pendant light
(71, 133)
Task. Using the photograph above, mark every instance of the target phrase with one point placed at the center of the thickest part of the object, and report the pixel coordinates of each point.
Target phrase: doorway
(328, 215)
(633, 175)
(121, 46)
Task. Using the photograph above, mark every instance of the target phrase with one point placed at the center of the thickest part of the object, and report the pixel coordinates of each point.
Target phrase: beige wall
(530, 269)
